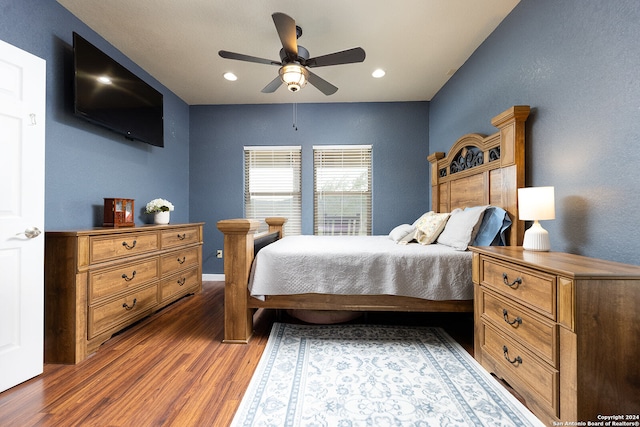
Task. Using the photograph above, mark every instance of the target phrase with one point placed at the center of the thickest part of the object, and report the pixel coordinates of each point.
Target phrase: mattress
(361, 265)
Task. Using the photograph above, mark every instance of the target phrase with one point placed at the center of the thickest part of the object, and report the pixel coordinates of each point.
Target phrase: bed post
(435, 188)
(512, 164)
(238, 256)
(276, 224)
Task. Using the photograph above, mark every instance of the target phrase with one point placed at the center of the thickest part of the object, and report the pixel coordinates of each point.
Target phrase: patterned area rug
(371, 375)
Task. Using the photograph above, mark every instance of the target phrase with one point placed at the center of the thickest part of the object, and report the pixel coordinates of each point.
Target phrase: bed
(478, 171)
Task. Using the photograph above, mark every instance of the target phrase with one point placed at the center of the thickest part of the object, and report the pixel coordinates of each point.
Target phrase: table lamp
(536, 204)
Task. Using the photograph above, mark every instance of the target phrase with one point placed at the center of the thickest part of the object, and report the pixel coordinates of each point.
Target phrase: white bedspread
(356, 265)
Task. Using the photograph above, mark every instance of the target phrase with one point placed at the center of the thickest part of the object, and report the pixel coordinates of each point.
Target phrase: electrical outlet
(219, 253)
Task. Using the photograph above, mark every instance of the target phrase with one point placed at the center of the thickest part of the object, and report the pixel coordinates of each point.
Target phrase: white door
(22, 118)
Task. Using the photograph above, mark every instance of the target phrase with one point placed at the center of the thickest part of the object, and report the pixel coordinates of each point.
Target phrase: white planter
(161, 217)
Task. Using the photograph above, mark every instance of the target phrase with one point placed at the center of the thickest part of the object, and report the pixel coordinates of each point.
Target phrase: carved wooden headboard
(484, 170)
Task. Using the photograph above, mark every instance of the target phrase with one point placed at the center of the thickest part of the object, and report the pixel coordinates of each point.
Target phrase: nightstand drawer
(534, 289)
(104, 248)
(180, 237)
(528, 375)
(122, 310)
(110, 281)
(535, 332)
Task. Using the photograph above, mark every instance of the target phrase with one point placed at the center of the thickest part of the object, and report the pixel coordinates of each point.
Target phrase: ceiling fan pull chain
(295, 116)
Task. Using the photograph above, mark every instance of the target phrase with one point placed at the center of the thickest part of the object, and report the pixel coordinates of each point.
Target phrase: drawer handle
(514, 284)
(182, 281)
(129, 307)
(127, 278)
(182, 236)
(517, 360)
(126, 245)
(515, 322)
(181, 261)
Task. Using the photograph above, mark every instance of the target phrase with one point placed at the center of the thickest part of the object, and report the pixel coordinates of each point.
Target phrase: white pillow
(462, 227)
(402, 234)
(429, 226)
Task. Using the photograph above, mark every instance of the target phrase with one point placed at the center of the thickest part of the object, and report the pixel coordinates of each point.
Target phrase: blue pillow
(492, 230)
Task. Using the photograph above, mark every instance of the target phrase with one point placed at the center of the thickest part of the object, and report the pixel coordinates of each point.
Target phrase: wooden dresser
(563, 330)
(99, 281)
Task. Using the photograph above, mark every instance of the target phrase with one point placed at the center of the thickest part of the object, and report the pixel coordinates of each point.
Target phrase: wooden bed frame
(479, 170)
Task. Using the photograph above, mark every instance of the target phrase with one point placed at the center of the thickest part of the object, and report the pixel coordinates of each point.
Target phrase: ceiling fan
(295, 61)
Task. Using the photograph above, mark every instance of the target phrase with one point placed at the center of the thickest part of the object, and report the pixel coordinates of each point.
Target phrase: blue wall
(397, 131)
(577, 64)
(85, 163)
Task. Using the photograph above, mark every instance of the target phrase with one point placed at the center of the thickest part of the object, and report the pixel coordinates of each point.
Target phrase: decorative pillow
(415, 223)
(402, 234)
(462, 227)
(429, 226)
(492, 228)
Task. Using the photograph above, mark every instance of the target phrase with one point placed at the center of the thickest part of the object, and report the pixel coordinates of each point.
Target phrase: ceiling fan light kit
(295, 59)
(294, 76)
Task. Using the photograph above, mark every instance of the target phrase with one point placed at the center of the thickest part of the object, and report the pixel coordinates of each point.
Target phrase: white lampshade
(536, 204)
(294, 76)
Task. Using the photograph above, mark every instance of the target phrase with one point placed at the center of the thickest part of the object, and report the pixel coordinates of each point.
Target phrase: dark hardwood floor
(169, 369)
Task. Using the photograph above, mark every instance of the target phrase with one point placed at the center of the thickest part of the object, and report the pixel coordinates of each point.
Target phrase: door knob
(31, 232)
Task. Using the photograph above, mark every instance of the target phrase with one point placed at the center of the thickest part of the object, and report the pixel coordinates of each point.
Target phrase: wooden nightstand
(563, 330)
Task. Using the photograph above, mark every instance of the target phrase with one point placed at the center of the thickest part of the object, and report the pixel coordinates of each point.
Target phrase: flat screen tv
(107, 94)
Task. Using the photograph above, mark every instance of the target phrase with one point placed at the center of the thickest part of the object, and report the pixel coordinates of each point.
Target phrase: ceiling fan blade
(273, 86)
(241, 57)
(286, 27)
(321, 84)
(348, 56)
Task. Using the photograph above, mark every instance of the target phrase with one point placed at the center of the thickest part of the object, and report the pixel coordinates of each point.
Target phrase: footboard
(240, 245)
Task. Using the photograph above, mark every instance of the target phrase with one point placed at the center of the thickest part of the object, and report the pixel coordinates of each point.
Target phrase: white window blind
(342, 189)
(272, 182)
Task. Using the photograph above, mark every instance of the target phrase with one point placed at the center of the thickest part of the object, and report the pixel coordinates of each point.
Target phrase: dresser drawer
(528, 375)
(105, 248)
(180, 237)
(122, 310)
(179, 260)
(533, 288)
(535, 332)
(180, 283)
(111, 281)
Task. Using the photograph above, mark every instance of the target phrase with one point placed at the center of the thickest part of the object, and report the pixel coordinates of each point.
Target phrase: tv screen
(108, 94)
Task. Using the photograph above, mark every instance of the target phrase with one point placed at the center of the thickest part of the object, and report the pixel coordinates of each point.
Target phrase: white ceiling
(419, 43)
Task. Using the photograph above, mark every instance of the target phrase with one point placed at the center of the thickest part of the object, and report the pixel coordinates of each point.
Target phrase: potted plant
(161, 209)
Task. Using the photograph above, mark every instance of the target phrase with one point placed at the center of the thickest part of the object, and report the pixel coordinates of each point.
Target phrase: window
(272, 185)
(342, 189)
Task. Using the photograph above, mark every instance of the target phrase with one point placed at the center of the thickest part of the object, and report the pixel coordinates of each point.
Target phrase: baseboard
(213, 277)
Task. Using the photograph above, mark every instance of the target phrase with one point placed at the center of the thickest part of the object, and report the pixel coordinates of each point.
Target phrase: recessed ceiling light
(230, 76)
(104, 80)
(378, 73)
